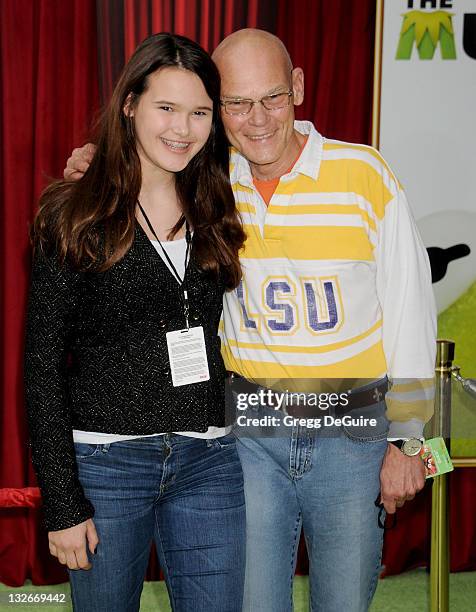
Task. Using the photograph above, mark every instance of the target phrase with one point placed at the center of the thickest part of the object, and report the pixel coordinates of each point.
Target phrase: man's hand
(69, 545)
(79, 162)
(401, 478)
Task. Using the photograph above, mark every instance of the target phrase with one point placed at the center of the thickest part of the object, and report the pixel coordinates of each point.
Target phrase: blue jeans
(326, 483)
(185, 494)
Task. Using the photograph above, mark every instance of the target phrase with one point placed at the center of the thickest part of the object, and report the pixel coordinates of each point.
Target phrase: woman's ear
(128, 108)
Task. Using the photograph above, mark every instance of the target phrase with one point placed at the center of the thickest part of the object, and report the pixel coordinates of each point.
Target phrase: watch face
(412, 447)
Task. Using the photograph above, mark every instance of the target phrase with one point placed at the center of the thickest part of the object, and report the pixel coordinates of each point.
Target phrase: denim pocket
(367, 425)
(228, 441)
(354, 436)
(85, 451)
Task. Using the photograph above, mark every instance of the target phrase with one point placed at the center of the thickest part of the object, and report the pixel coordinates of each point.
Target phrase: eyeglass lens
(271, 102)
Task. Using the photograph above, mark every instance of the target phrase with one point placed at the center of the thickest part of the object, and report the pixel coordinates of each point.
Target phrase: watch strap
(397, 443)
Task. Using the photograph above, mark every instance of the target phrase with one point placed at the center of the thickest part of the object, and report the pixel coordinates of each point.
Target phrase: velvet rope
(29, 497)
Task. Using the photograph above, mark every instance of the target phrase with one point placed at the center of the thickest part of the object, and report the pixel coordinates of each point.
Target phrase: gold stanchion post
(440, 563)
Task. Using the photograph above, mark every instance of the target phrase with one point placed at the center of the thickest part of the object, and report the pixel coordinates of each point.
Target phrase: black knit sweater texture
(96, 360)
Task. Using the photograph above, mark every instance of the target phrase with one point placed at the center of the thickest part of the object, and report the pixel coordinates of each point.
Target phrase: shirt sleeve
(409, 318)
(51, 308)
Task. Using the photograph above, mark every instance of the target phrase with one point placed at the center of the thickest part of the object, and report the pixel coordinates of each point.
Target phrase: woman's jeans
(324, 482)
(185, 494)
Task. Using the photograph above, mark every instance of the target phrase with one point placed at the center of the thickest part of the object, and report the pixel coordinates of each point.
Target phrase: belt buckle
(377, 395)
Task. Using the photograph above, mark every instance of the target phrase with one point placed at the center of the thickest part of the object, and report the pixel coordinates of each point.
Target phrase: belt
(356, 398)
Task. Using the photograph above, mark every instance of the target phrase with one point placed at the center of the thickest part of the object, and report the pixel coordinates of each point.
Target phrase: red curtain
(123, 24)
(334, 43)
(205, 21)
(49, 95)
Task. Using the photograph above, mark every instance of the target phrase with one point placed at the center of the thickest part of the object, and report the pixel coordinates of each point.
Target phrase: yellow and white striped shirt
(336, 281)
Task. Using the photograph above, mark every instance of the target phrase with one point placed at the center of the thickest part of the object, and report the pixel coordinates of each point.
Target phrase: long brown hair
(91, 222)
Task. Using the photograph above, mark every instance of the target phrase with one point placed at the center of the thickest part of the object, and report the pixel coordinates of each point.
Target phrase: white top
(176, 250)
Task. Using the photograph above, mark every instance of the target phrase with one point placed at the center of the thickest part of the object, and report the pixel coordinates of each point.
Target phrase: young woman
(130, 266)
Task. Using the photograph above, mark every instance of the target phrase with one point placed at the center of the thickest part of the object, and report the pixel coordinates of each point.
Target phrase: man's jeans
(184, 493)
(326, 483)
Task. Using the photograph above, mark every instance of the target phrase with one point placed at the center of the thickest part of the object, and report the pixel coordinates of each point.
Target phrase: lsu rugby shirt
(336, 280)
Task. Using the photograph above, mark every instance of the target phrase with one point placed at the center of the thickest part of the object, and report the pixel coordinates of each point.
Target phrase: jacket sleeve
(409, 317)
(52, 301)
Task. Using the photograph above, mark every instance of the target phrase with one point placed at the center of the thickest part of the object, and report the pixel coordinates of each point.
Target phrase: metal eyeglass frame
(226, 103)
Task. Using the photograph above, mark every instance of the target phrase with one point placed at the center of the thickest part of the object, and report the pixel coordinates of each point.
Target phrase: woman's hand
(69, 545)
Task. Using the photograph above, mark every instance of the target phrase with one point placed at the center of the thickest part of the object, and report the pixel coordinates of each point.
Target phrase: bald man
(336, 294)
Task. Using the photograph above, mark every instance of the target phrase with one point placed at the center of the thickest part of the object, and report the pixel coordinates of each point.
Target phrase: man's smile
(260, 137)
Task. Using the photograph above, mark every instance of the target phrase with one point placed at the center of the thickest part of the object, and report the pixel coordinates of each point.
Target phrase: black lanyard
(181, 282)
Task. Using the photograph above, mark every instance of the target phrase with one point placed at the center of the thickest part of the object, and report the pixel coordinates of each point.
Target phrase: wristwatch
(410, 447)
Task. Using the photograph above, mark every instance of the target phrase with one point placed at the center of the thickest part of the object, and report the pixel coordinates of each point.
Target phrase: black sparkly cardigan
(96, 360)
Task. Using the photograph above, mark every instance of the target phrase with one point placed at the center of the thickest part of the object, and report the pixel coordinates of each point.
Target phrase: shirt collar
(308, 162)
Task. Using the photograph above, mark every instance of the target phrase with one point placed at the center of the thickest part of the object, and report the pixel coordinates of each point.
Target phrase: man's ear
(128, 108)
(298, 86)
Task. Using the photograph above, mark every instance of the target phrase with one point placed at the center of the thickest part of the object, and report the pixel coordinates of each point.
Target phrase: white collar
(308, 162)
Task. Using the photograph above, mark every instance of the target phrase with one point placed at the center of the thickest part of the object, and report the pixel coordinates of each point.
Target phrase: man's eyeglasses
(243, 106)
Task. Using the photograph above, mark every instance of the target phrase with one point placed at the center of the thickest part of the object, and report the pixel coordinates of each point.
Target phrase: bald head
(255, 66)
(250, 44)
